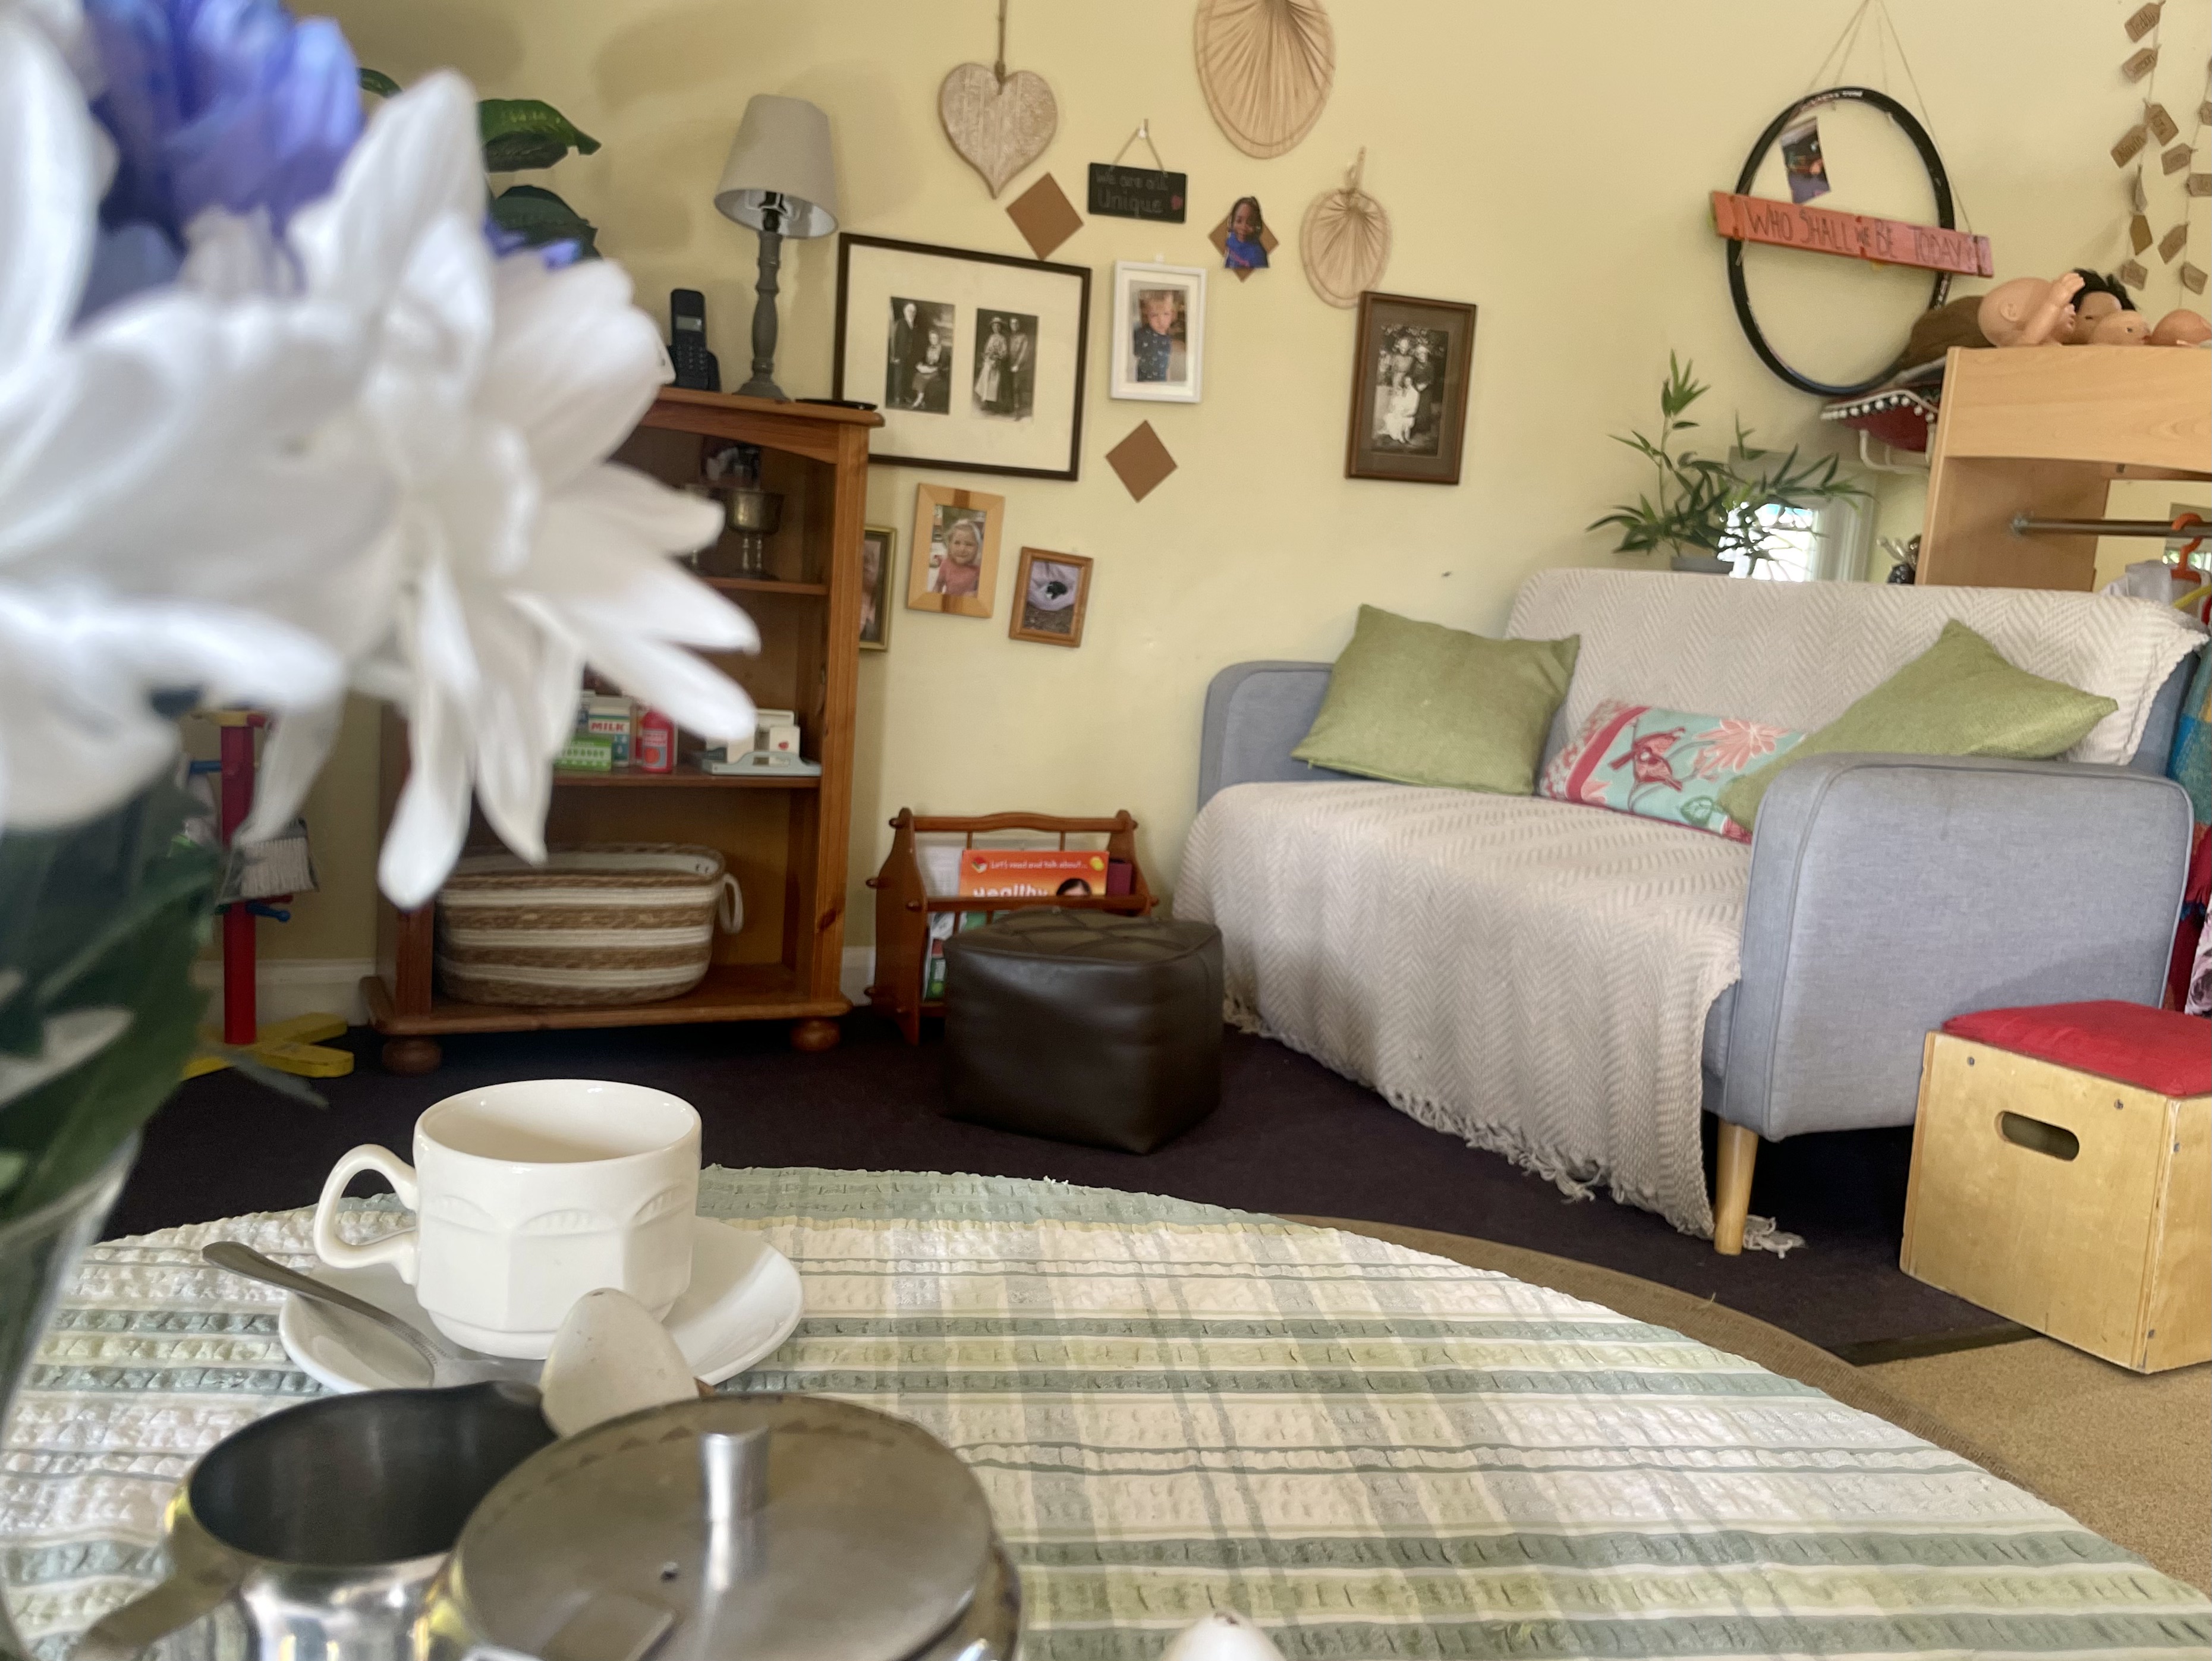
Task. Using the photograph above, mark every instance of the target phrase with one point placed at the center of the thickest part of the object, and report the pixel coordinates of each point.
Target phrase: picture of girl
(1244, 251)
(956, 560)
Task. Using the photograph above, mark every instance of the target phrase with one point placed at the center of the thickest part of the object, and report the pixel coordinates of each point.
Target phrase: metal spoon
(449, 1362)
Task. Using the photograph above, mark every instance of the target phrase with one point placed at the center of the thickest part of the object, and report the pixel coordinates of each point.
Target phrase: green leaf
(527, 132)
(378, 82)
(538, 217)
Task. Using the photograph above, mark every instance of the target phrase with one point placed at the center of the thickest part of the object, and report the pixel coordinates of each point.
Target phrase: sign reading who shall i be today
(1137, 192)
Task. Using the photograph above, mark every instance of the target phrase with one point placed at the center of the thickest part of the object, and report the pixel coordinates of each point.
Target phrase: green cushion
(1960, 697)
(1419, 704)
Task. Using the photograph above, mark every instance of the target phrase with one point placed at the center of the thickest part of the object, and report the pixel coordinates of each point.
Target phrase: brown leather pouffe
(1084, 1026)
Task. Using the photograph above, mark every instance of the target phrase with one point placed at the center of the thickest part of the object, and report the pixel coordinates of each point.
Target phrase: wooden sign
(1856, 236)
(1138, 192)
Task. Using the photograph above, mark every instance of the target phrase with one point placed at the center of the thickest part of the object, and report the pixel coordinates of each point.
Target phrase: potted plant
(1706, 513)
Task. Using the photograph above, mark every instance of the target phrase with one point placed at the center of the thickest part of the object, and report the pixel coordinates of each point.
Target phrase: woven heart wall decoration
(1000, 123)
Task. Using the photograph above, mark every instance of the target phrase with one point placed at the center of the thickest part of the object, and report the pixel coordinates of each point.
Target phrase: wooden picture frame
(1042, 614)
(1411, 364)
(939, 512)
(1176, 374)
(879, 548)
(976, 360)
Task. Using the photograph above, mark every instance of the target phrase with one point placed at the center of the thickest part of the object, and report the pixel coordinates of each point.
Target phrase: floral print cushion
(1662, 763)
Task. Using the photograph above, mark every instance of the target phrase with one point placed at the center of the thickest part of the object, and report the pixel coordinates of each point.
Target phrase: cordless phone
(687, 344)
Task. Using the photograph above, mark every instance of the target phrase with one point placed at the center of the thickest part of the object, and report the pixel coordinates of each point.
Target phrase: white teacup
(528, 1195)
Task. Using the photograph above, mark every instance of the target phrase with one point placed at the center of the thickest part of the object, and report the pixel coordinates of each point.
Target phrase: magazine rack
(904, 904)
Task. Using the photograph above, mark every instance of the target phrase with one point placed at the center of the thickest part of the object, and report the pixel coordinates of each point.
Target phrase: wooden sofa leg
(1732, 1187)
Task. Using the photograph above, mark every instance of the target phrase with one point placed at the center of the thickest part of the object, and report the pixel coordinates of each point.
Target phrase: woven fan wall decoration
(1266, 67)
(1344, 241)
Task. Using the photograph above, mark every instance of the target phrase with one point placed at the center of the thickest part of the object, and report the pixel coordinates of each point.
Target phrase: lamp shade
(782, 151)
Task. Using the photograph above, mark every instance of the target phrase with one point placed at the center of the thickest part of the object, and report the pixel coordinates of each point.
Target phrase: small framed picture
(975, 359)
(879, 562)
(1243, 238)
(1051, 592)
(1159, 331)
(955, 564)
(1409, 376)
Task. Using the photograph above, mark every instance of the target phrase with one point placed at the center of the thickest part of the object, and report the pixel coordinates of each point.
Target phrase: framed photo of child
(955, 567)
(1409, 377)
(1051, 593)
(1159, 332)
(879, 563)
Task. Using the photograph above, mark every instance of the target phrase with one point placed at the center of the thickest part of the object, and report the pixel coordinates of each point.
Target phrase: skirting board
(285, 987)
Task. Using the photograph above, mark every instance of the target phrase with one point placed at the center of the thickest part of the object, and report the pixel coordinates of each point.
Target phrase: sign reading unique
(1856, 236)
(1137, 192)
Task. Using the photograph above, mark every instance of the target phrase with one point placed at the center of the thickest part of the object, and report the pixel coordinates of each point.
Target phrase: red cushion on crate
(2159, 1049)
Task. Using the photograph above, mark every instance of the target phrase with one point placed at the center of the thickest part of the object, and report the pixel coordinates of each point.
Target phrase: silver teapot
(754, 1528)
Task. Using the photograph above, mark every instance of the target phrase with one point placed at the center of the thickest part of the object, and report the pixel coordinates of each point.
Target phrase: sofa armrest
(1889, 894)
(1256, 715)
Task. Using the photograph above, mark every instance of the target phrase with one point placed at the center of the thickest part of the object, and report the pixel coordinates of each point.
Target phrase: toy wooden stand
(292, 1046)
(904, 904)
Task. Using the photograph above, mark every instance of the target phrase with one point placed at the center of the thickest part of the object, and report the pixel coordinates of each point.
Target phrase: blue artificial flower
(220, 104)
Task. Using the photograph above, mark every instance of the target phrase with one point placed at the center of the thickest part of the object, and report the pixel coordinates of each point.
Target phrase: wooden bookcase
(785, 839)
(2045, 431)
(904, 904)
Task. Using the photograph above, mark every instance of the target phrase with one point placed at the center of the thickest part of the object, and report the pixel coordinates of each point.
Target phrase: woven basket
(618, 923)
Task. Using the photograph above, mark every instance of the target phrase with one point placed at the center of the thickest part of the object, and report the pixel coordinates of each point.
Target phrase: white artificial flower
(498, 389)
(161, 488)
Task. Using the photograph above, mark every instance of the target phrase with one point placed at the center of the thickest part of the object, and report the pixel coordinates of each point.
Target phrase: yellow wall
(1548, 163)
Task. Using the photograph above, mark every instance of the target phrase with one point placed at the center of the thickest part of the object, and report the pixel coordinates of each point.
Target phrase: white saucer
(744, 1301)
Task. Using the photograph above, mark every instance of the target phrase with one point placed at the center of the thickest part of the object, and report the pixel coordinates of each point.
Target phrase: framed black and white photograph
(878, 567)
(1409, 379)
(976, 360)
(1051, 593)
(918, 356)
(1159, 332)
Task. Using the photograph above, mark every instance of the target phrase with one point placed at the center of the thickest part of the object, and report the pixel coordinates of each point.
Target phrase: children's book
(1000, 871)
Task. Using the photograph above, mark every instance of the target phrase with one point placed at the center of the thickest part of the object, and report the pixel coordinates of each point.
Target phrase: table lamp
(780, 181)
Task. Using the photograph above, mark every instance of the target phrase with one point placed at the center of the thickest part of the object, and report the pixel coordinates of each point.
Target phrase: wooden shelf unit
(784, 837)
(2046, 431)
(904, 904)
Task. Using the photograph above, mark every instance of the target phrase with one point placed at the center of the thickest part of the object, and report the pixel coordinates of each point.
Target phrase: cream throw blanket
(1531, 976)
(1535, 976)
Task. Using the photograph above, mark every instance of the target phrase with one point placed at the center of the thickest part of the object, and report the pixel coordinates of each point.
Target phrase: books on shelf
(943, 926)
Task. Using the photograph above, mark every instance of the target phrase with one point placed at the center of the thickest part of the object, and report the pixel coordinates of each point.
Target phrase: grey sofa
(1886, 894)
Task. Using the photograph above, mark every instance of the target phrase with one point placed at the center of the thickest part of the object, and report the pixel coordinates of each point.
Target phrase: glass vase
(39, 1255)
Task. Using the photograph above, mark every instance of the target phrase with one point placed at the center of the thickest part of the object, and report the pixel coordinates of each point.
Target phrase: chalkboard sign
(1137, 192)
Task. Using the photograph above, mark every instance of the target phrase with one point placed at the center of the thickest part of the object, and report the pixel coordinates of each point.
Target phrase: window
(1824, 544)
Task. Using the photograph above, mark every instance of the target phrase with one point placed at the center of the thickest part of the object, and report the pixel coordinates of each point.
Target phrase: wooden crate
(2073, 1204)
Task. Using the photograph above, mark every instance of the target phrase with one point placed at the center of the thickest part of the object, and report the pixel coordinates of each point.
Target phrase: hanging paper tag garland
(2133, 275)
(2174, 160)
(2200, 184)
(2144, 20)
(2138, 197)
(2140, 64)
(2163, 128)
(2139, 235)
(2191, 278)
(2172, 243)
(2130, 145)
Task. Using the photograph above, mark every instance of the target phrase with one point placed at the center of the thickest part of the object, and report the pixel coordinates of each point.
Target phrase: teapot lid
(785, 1528)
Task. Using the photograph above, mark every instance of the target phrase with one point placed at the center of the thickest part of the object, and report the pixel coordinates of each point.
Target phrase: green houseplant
(522, 135)
(1705, 508)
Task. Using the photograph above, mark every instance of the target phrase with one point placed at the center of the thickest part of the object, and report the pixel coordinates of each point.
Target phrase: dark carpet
(1290, 1136)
